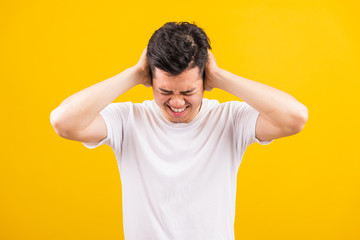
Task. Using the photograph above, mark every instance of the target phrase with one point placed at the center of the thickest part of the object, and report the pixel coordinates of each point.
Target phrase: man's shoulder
(147, 104)
(129, 104)
(210, 103)
(213, 103)
(234, 104)
(227, 108)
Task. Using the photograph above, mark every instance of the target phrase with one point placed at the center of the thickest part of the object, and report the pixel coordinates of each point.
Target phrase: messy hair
(176, 47)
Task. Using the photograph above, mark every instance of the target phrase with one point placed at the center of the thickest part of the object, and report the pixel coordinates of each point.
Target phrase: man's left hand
(211, 73)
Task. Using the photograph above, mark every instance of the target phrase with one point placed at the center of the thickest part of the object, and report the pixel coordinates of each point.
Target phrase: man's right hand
(78, 117)
(143, 68)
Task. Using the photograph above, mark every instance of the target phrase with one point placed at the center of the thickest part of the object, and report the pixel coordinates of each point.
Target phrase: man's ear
(151, 76)
(203, 76)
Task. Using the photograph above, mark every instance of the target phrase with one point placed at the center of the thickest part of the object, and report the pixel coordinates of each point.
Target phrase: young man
(178, 155)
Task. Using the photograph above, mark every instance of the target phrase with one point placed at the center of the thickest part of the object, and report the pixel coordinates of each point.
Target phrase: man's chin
(175, 120)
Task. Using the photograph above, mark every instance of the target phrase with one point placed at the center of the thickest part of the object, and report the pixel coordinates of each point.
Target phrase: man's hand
(143, 68)
(280, 114)
(212, 78)
(78, 117)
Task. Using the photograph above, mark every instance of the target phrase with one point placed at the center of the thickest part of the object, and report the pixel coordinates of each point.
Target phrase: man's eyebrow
(187, 91)
(163, 90)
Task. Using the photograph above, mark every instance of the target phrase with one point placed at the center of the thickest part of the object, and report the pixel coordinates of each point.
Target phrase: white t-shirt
(179, 179)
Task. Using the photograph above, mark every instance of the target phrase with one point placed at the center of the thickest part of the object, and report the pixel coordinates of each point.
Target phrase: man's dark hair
(178, 46)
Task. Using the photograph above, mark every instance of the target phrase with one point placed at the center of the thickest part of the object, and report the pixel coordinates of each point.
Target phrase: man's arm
(78, 117)
(280, 115)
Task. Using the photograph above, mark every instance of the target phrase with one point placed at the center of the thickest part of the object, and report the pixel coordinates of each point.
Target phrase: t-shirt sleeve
(245, 118)
(115, 117)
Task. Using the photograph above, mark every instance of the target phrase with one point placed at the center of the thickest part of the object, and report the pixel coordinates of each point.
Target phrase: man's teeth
(178, 109)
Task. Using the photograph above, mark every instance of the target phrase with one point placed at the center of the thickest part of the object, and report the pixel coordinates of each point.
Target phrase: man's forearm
(80, 109)
(279, 107)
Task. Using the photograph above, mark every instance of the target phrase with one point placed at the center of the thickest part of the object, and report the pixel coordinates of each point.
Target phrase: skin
(178, 92)
(77, 117)
(280, 114)
(183, 90)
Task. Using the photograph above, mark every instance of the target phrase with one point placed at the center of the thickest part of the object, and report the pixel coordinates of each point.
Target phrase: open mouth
(178, 110)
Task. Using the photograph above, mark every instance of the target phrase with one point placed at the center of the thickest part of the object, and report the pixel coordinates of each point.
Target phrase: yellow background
(306, 186)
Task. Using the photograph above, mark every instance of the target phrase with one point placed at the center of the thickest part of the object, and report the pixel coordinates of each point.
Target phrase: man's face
(179, 97)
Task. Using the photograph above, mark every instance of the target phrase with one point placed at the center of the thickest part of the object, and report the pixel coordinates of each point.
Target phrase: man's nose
(177, 101)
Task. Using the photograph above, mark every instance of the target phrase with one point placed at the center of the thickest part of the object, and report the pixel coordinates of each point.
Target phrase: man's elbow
(58, 129)
(300, 120)
(57, 125)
